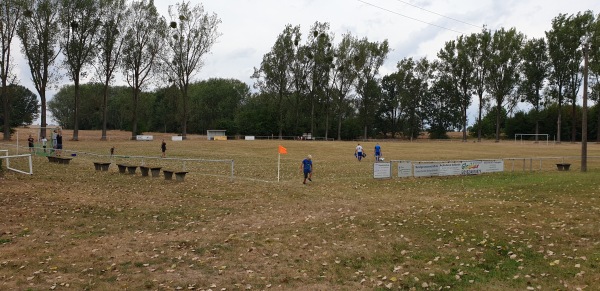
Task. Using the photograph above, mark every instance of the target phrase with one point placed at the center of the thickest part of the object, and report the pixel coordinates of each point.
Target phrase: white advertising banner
(144, 137)
(450, 169)
(492, 166)
(427, 170)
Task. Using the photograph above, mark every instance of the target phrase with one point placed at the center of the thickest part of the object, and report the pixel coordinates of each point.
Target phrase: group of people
(57, 142)
(359, 153)
(306, 167)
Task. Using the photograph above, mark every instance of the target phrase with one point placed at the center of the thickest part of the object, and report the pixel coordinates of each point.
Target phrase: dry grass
(70, 227)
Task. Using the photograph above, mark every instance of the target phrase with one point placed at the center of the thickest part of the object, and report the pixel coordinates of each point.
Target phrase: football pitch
(243, 220)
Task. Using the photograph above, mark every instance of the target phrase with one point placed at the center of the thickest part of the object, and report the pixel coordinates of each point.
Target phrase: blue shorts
(306, 172)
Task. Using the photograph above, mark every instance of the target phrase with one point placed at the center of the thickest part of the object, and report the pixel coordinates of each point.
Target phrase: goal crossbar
(517, 135)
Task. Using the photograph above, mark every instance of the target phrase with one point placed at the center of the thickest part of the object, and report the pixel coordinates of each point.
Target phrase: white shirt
(359, 149)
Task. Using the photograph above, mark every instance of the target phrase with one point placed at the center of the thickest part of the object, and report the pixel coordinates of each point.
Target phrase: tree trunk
(134, 114)
(104, 110)
(479, 117)
(498, 110)
(573, 126)
(6, 103)
(184, 94)
(76, 110)
(464, 131)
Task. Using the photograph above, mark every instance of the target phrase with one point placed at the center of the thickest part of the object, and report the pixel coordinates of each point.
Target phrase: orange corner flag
(282, 150)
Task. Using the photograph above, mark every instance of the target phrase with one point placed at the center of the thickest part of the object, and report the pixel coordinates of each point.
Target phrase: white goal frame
(7, 158)
(530, 134)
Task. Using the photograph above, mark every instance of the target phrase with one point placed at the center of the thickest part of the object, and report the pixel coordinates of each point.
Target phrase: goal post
(7, 158)
(519, 136)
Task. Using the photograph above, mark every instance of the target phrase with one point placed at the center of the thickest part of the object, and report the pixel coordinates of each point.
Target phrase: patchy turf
(73, 228)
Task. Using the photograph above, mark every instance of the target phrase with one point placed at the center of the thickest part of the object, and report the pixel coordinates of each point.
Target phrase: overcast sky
(413, 28)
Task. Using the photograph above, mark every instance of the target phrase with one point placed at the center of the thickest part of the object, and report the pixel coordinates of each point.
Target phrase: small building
(216, 134)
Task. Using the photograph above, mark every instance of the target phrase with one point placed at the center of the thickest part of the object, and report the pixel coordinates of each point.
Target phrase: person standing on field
(59, 143)
(30, 143)
(307, 168)
(358, 152)
(44, 143)
(163, 148)
(377, 152)
(54, 134)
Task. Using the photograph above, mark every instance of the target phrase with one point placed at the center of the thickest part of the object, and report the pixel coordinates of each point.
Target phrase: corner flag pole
(280, 151)
(278, 165)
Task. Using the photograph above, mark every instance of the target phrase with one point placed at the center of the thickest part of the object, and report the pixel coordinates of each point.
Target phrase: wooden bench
(122, 168)
(168, 174)
(179, 176)
(144, 171)
(59, 160)
(155, 171)
(563, 166)
(131, 169)
(101, 166)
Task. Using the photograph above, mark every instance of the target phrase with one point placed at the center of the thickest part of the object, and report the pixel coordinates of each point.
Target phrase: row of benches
(130, 169)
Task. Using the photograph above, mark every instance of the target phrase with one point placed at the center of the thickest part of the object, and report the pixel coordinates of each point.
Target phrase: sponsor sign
(144, 137)
(426, 170)
(382, 170)
(404, 169)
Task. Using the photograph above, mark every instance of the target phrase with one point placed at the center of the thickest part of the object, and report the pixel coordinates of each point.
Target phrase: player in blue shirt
(307, 167)
(377, 152)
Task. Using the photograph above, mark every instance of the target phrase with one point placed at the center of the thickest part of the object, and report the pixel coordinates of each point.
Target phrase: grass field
(69, 227)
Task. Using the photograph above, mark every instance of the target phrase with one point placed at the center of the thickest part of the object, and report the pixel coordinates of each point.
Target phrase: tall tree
(144, 39)
(319, 59)
(504, 63)
(479, 46)
(579, 26)
(456, 64)
(534, 72)
(594, 67)
(344, 76)
(113, 13)
(193, 33)
(391, 108)
(442, 107)
(274, 77)
(415, 87)
(370, 57)
(564, 45)
(10, 12)
(39, 34)
(80, 20)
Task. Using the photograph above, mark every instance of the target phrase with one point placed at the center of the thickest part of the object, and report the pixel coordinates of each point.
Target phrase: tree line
(95, 39)
(305, 83)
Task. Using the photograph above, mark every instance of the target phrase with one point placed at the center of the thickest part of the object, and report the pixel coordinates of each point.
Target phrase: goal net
(531, 137)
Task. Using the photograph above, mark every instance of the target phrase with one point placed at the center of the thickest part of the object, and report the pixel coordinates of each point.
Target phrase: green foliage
(214, 104)
(488, 124)
(24, 106)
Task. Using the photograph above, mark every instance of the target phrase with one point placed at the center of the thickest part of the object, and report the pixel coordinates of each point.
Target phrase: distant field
(69, 227)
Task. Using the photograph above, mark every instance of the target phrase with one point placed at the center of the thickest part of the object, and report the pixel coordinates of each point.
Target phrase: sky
(413, 28)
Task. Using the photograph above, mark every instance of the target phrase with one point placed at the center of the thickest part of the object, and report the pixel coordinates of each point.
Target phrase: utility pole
(584, 110)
